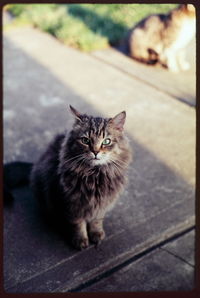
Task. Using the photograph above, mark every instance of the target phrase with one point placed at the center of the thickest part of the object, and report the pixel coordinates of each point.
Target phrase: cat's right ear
(75, 113)
(118, 121)
(190, 7)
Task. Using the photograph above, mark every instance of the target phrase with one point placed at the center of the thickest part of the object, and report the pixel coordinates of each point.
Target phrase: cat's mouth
(97, 161)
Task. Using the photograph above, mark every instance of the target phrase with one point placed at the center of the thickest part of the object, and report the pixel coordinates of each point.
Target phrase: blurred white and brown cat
(162, 38)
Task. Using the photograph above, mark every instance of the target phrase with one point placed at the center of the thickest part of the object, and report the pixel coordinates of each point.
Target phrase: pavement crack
(130, 260)
(177, 256)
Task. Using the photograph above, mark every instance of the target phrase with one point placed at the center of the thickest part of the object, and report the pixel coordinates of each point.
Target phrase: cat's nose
(95, 152)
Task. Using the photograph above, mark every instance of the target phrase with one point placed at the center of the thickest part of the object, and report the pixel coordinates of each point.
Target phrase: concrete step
(152, 272)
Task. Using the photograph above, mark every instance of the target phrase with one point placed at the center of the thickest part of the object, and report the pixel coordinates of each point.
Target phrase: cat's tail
(15, 174)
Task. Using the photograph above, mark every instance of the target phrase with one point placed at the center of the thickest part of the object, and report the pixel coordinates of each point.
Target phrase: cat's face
(97, 140)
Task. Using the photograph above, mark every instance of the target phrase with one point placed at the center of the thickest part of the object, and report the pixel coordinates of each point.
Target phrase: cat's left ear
(118, 121)
(75, 113)
(190, 7)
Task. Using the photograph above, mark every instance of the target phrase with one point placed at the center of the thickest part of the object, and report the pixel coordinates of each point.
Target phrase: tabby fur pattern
(82, 173)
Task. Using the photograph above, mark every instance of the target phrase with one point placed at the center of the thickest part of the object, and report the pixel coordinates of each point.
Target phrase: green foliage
(48, 18)
(16, 9)
(78, 35)
(86, 26)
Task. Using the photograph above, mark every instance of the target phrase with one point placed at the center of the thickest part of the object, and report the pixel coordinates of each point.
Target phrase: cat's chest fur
(185, 34)
(95, 192)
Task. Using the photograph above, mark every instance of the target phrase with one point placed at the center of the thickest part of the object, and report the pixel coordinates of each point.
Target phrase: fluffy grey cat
(81, 174)
(162, 38)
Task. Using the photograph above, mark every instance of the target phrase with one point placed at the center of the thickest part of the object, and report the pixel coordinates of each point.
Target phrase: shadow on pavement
(102, 25)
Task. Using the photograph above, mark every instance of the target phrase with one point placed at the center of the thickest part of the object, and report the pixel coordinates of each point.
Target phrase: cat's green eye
(85, 140)
(106, 141)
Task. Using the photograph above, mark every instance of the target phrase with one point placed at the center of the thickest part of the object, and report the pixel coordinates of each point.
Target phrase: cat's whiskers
(117, 163)
(121, 163)
(75, 157)
(74, 163)
(117, 169)
(116, 166)
(83, 160)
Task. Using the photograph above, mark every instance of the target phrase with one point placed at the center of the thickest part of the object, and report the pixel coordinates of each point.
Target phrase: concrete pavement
(155, 213)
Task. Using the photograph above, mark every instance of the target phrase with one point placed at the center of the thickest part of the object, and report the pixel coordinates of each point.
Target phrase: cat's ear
(190, 7)
(118, 121)
(75, 113)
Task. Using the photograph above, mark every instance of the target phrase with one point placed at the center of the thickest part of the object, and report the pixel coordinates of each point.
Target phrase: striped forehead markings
(97, 126)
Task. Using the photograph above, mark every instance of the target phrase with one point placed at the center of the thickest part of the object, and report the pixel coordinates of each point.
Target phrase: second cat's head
(99, 140)
(187, 10)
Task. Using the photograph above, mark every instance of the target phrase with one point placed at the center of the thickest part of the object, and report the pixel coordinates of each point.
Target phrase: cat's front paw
(185, 66)
(173, 69)
(80, 242)
(97, 236)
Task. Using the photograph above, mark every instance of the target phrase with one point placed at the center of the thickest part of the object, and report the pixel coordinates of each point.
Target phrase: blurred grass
(86, 27)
